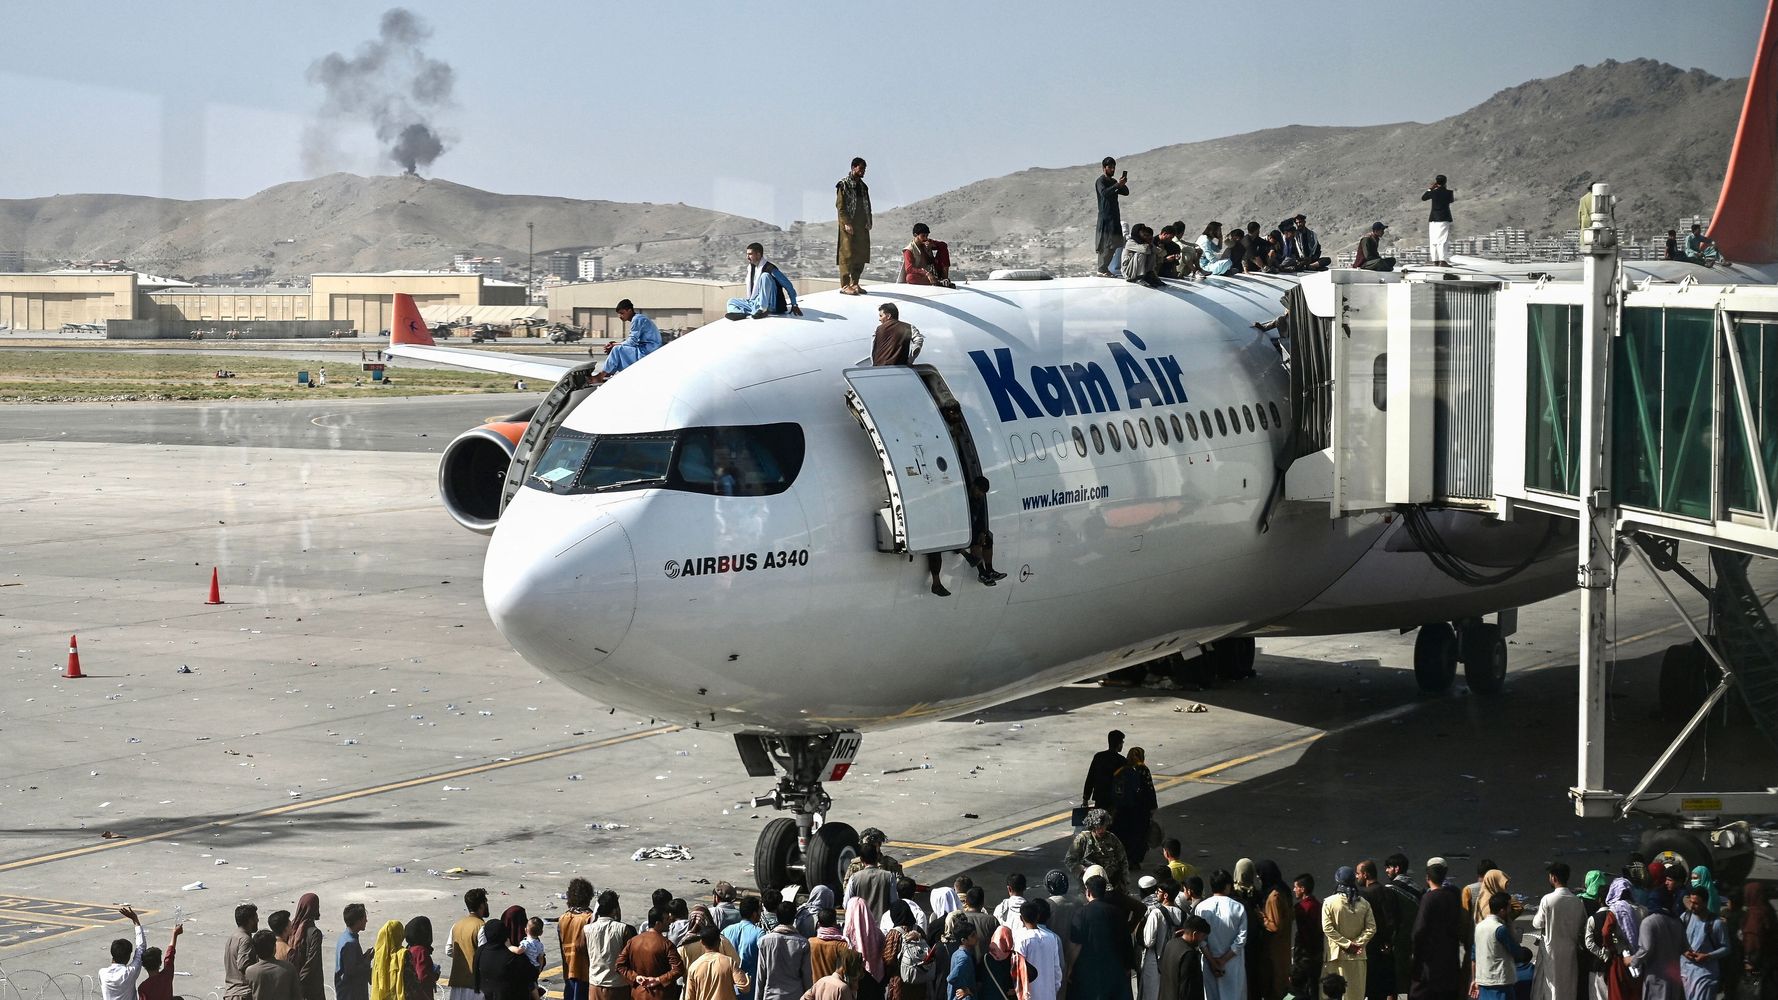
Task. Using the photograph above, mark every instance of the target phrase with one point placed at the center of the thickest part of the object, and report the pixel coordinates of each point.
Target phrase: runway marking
(32, 919)
(987, 852)
(295, 807)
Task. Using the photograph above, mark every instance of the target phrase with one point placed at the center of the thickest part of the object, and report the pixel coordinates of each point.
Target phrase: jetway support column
(1599, 324)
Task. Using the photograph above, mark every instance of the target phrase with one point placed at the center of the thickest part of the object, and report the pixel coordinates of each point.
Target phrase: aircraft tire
(1484, 661)
(1733, 870)
(1688, 847)
(776, 858)
(831, 849)
(1435, 658)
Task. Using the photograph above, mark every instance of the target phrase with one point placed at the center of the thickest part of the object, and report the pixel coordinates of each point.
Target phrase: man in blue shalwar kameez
(644, 339)
(768, 290)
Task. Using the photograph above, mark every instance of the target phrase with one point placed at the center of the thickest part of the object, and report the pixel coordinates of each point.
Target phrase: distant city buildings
(591, 268)
(487, 267)
(564, 265)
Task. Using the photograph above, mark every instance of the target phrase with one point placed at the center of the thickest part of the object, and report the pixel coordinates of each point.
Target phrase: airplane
(734, 533)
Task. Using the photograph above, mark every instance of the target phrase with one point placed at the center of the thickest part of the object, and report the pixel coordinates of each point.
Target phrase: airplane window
(1247, 415)
(1263, 425)
(736, 461)
(1080, 443)
(627, 460)
(1147, 433)
(1276, 419)
(1061, 445)
(1017, 442)
(1130, 434)
(1117, 441)
(1160, 428)
(1037, 447)
(1221, 426)
(1204, 418)
(1098, 440)
(1179, 435)
(1191, 424)
(1234, 420)
(562, 459)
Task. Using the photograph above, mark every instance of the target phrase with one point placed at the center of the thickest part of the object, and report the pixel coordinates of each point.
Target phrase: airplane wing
(409, 337)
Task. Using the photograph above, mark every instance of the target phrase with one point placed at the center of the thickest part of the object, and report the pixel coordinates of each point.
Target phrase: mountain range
(1660, 135)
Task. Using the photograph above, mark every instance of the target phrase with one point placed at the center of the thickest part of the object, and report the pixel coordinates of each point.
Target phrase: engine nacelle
(472, 473)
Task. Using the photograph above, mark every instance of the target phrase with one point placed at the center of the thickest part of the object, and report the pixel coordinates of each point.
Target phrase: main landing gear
(1478, 645)
(804, 850)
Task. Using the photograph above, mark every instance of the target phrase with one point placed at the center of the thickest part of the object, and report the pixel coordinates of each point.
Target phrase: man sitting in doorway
(769, 292)
(926, 261)
(644, 339)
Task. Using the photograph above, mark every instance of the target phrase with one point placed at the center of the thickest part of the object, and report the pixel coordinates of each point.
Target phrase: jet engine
(472, 473)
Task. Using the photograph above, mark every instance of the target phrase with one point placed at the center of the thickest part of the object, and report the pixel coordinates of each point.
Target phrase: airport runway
(351, 710)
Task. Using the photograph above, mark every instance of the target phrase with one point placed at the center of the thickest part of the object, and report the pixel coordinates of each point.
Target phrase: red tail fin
(409, 328)
(1745, 225)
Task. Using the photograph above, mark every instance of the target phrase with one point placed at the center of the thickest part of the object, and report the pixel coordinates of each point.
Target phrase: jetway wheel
(1435, 658)
(1682, 847)
(777, 860)
(831, 850)
(1484, 658)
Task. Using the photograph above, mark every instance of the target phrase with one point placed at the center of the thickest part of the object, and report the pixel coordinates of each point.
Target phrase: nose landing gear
(805, 849)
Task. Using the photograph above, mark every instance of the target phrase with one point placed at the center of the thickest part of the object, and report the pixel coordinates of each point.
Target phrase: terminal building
(50, 300)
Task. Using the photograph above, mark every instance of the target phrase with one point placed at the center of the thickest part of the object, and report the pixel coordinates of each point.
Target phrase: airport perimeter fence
(31, 984)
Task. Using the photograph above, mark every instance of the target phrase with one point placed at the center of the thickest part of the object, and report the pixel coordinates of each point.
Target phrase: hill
(343, 222)
(1660, 135)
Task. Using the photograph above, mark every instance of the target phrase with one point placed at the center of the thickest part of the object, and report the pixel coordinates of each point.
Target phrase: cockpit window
(722, 461)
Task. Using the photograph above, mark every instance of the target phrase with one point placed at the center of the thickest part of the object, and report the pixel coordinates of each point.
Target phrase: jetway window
(1758, 343)
(1552, 398)
(1663, 415)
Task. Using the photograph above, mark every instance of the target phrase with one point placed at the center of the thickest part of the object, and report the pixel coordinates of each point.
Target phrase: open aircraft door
(928, 489)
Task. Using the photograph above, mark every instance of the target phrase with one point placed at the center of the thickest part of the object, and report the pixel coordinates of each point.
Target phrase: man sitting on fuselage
(768, 290)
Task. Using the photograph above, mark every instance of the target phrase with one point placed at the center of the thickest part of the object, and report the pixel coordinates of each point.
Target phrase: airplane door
(928, 489)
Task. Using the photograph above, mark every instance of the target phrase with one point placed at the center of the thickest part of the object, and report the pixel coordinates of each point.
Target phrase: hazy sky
(756, 108)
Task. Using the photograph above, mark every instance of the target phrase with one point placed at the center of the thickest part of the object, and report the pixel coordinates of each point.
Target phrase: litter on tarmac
(665, 852)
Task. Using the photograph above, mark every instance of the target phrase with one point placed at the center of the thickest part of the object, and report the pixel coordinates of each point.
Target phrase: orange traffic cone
(73, 671)
(215, 589)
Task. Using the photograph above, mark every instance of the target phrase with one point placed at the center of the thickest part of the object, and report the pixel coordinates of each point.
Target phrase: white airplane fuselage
(779, 614)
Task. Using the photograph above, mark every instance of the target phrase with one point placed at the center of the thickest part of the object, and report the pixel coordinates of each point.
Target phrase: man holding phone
(1110, 239)
(1438, 222)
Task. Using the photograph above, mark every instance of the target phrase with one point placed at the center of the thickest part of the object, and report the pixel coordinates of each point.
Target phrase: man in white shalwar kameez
(1560, 918)
(1226, 945)
(1158, 924)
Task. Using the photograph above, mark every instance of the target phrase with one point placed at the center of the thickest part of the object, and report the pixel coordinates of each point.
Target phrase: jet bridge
(1639, 400)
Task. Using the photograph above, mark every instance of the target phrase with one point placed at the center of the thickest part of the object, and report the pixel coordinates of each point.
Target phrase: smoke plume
(392, 84)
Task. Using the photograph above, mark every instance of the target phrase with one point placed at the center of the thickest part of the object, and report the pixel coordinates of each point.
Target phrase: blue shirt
(351, 968)
(644, 335)
(962, 972)
(745, 935)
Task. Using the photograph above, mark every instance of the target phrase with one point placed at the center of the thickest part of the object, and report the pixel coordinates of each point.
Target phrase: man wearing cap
(1442, 935)
(1158, 924)
(876, 838)
(1369, 258)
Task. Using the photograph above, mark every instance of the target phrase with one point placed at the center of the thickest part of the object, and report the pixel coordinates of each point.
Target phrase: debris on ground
(665, 852)
(193, 887)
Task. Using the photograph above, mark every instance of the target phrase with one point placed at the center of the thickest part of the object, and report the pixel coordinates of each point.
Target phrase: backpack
(913, 956)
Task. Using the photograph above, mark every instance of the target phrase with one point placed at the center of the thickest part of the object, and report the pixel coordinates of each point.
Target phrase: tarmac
(350, 723)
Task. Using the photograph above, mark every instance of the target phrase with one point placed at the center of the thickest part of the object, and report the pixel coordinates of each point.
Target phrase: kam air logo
(1079, 387)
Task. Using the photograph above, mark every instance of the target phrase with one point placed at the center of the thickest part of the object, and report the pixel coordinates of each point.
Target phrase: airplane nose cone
(563, 598)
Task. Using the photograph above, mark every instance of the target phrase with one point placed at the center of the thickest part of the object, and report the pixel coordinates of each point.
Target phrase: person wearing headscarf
(1561, 919)
(1593, 895)
(940, 905)
(1136, 804)
(821, 898)
(903, 933)
(517, 924)
(1493, 881)
(1002, 950)
(419, 973)
(1702, 879)
(1096, 846)
(1614, 941)
(494, 964)
(306, 943)
(1276, 910)
(1347, 926)
(1658, 897)
(863, 936)
(386, 961)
